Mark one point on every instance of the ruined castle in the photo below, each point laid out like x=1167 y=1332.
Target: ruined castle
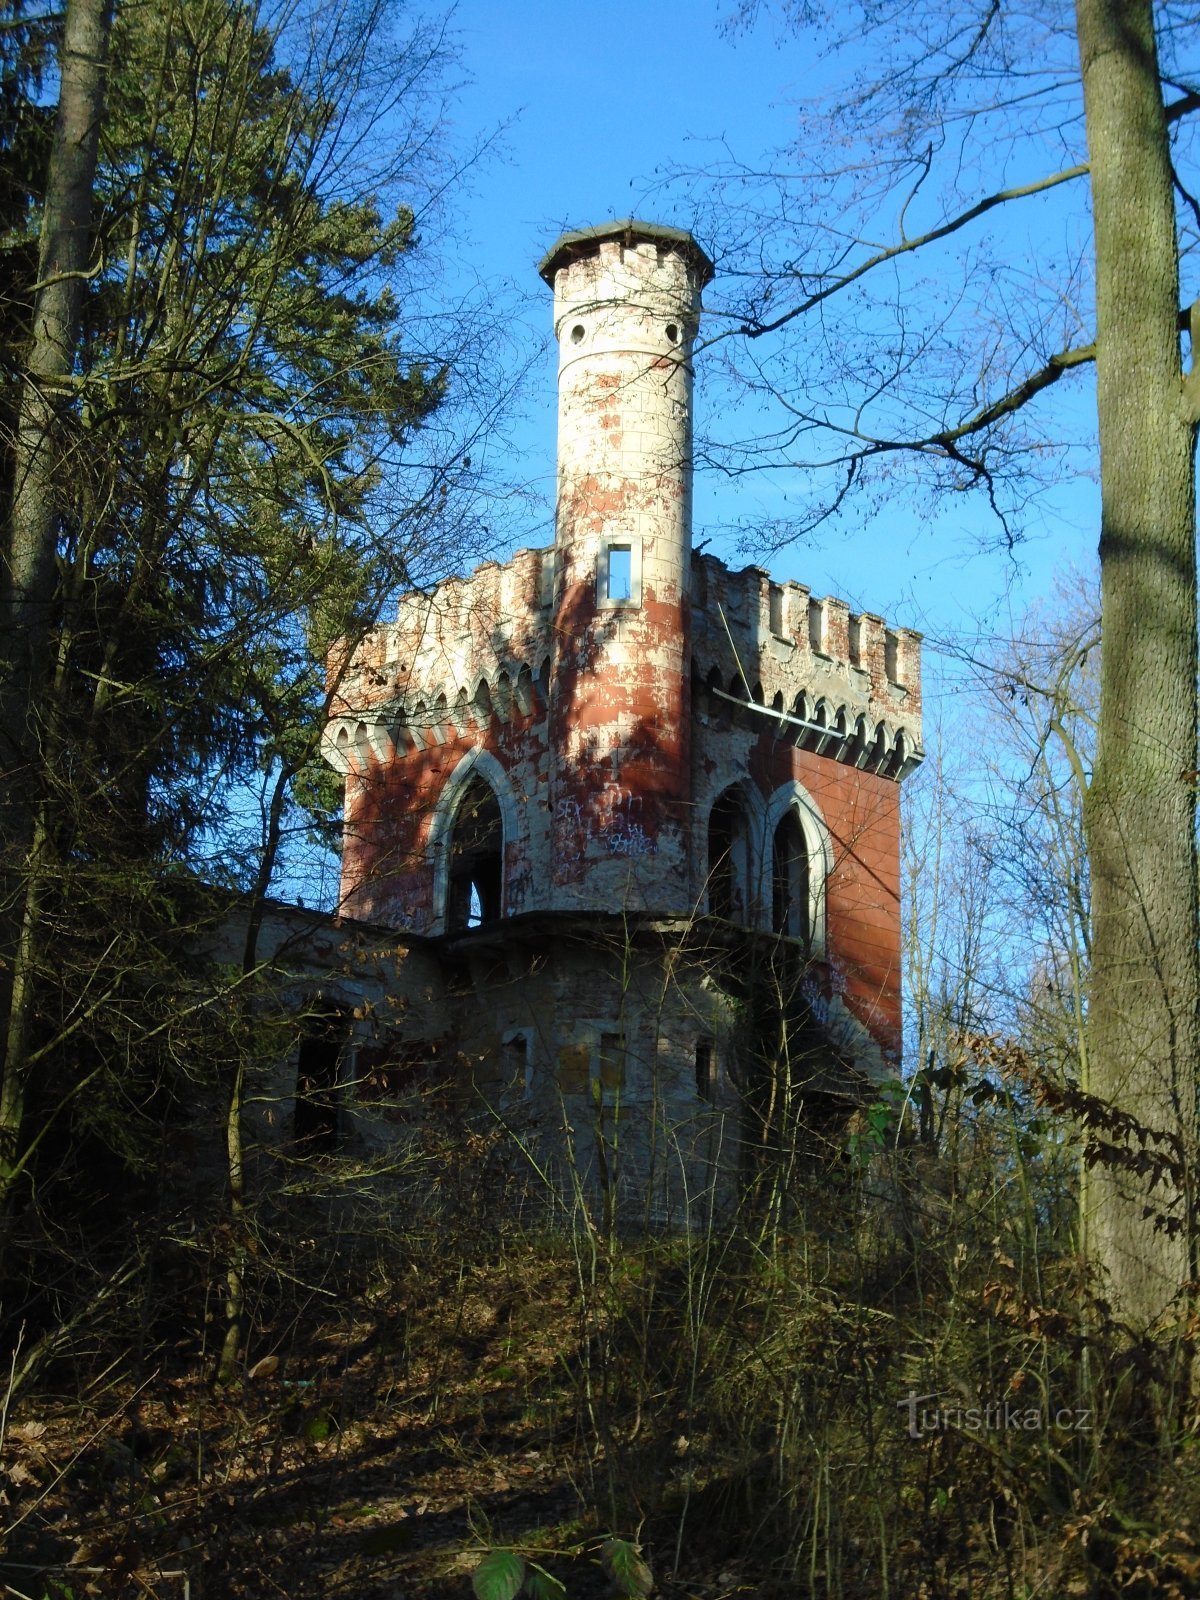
x=633 y=816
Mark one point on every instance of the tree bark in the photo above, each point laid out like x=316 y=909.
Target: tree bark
x=28 y=596
x=62 y=266
x=1140 y=818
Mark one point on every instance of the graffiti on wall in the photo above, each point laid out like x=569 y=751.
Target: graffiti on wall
x=620 y=826
x=613 y=823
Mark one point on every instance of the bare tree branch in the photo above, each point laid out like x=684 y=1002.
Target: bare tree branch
x=756 y=329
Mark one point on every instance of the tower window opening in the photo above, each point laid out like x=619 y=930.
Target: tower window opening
x=620 y=572
x=577 y=333
x=673 y=332
x=791 y=879
x=706 y=1070
x=476 y=875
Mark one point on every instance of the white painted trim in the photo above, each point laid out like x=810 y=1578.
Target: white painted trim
x=476 y=763
x=347 y=742
x=634 y=545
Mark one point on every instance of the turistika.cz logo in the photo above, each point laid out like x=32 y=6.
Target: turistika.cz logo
x=941 y=1412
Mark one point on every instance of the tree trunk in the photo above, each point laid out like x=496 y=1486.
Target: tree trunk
x=228 y=1364
x=1140 y=811
x=30 y=549
x=62 y=264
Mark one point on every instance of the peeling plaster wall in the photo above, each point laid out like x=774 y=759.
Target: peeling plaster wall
x=382 y=984
x=778 y=645
x=609 y=723
x=596 y=841
x=856 y=684
x=624 y=317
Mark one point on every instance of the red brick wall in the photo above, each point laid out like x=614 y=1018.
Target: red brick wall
x=862 y=897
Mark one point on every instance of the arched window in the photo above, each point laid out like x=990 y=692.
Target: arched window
x=728 y=857
x=791 y=879
x=795 y=874
x=476 y=859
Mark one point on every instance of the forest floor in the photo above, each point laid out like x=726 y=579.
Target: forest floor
x=379 y=1455
x=735 y=1416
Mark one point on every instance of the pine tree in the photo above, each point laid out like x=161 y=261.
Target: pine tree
x=234 y=486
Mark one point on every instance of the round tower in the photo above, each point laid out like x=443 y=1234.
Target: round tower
x=626 y=309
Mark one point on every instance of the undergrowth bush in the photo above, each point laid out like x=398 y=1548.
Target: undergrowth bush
x=901 y=1383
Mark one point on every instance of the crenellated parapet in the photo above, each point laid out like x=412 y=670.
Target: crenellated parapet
x=472 y=649
x=842 y=684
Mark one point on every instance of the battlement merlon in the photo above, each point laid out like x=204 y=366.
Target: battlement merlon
x=813 y=659
x=464 y=642
x=611 y=239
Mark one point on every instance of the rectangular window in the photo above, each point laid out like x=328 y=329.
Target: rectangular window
x=404 y=1082
x=515 y=1064
x=612 y=1062
x=775 y=607
x=620 y=572
x=706 y=1070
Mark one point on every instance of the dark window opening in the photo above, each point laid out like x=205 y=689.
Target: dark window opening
x=515 y=1061
x=790 y=879
x=405 y=1082
x=706 y=1070
x=726 y=856
x=476 y=875
x=318 y=1065
x=612 y=1062
x=718 y=709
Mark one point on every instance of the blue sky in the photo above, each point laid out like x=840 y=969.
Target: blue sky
x=600 y=101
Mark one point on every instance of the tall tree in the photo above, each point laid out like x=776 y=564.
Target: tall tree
x=1140 y=822
x=38 y=461
x=263 y=441
x=46 y=390
x=875 y=365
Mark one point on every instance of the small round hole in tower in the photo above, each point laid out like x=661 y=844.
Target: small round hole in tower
x=577 y=333
x=673 y=332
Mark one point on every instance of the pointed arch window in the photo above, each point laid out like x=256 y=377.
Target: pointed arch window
x=791 y=879
x=728 y=857
x=475 y=884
